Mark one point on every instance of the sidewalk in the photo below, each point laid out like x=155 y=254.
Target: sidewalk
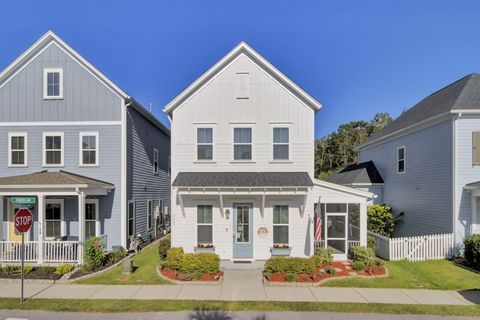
x=237 y=288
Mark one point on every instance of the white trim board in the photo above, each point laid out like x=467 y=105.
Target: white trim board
x=60 y=123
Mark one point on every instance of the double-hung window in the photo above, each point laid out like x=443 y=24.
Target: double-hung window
x=53 y=149
x=155 y=161
x=401 y=160
x=89 y=148
x=204 y=224
x=280 y=224
x=242 y=143
x=53 y=83
x=53 y=218
x=91 y=218
x=204 y=144
x=150 y=214
x=131 y=218
x=280 y=144
x=17 y=149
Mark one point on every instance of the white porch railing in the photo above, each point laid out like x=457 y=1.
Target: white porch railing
x=351 y=243
x=53 y=251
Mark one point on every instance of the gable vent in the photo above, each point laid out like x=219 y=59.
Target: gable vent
x=242 y=85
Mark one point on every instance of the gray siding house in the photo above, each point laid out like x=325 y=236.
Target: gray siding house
x=83 y=155
x=429 y=160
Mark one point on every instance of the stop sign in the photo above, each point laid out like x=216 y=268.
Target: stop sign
x=23 y=220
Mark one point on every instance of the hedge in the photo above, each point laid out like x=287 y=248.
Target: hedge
x=472 y=251
x=290 y=265
x=191 y=263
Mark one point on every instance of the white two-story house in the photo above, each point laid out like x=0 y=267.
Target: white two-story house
x=243 y=167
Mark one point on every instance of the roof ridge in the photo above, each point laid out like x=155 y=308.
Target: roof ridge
x=470 y=76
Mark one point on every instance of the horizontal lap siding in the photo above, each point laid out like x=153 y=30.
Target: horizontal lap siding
x=85 y=97
x=424 y=192
x=143 y=184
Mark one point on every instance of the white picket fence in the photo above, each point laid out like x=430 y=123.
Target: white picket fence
x=420 y=248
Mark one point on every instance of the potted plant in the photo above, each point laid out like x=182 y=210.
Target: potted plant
x=204 y=247
x=281 y=249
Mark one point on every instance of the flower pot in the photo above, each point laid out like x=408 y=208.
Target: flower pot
x=281 y=251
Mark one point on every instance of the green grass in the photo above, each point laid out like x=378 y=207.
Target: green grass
x=435 y=274
x=186 y=305
x=145 y=264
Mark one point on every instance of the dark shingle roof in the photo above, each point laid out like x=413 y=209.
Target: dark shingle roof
x=364 y=172
x=53 y=178
x=464 y=94
x=242 y=179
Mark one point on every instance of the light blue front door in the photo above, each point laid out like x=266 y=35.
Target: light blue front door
x=242 y=231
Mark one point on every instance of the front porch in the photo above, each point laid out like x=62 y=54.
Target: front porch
x=66 y=212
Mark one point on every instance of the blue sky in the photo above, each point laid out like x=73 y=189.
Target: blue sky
x=356 y=57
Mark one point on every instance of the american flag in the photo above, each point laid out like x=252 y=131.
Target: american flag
x=318 y=223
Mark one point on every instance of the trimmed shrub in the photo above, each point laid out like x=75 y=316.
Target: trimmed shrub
x=380 y=219
x=358 y=265
x=290 y=265
x=95 y=253
x=290 y=277
x=47 y=271
x=371 y=242
x=115 y=256
x=331 y=271
x=365 y=255
x=174 y=258
x=190 y=263
x=323 y=256
x=26 y=269
x=163 y=246
x=10 y=269
x=472 y=251
x=63 y=269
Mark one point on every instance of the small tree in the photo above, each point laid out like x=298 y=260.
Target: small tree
x=94 y=253
x=381 y=220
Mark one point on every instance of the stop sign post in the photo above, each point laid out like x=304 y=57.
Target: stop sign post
x=23 y=223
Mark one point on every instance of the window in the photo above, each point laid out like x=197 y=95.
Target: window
x=280 y=224
x=155 y=161
x=280 y=144
x=53 y=83
x=476 y=148
x=91 y=218
x=149 y=214
x=354 y=222
x=88 y=148
x=204 y=144
x=204 y=224
x=17 y=146
x=401 y=160
x=53 y=149
x=131 y=218
x=53 y=219
x=243 y=85
x=242 y=143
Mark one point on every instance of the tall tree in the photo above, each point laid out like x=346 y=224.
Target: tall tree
x=338 y=148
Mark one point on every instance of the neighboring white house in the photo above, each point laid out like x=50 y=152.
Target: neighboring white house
x=243 y=167
x=429 y=159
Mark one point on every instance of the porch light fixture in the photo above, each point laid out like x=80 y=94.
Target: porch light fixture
x=227 y=214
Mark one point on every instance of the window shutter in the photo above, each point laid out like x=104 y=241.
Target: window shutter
x=476 y=148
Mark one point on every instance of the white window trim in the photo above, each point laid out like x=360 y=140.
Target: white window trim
x=280 y=144
x=156 y=170
x=150 y=225
x=204 y=224
x=46 y=71
x=97 y=150
x=44 y=148
x=204 y=144
x=62 y=217
x=134 y=216
x=25 y=150
x=281 y=224
x=251 y=160
x=97 y=215
x=404 y=160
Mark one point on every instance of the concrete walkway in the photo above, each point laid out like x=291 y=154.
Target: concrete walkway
x=235 y=291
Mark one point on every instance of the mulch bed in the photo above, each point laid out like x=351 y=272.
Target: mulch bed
x=343 y=269
x=175 y=275
x=37 y=273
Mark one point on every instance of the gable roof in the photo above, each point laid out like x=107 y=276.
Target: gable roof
x=362 y=173
x=243 y=49
x=463 y=94
x=46 y=40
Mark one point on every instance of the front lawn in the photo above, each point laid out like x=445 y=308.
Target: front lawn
x=144 y=264
x=434 y=274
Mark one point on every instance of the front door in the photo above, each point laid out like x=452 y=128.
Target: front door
x=337 y=235
x=13 y=235
x=242 y=231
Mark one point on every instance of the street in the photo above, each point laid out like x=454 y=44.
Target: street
x=214 y=315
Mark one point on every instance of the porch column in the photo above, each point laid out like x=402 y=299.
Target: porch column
x=41 y=226
x=81 y=226
x=473 y=227
x=1 y=217
x=363 y=224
